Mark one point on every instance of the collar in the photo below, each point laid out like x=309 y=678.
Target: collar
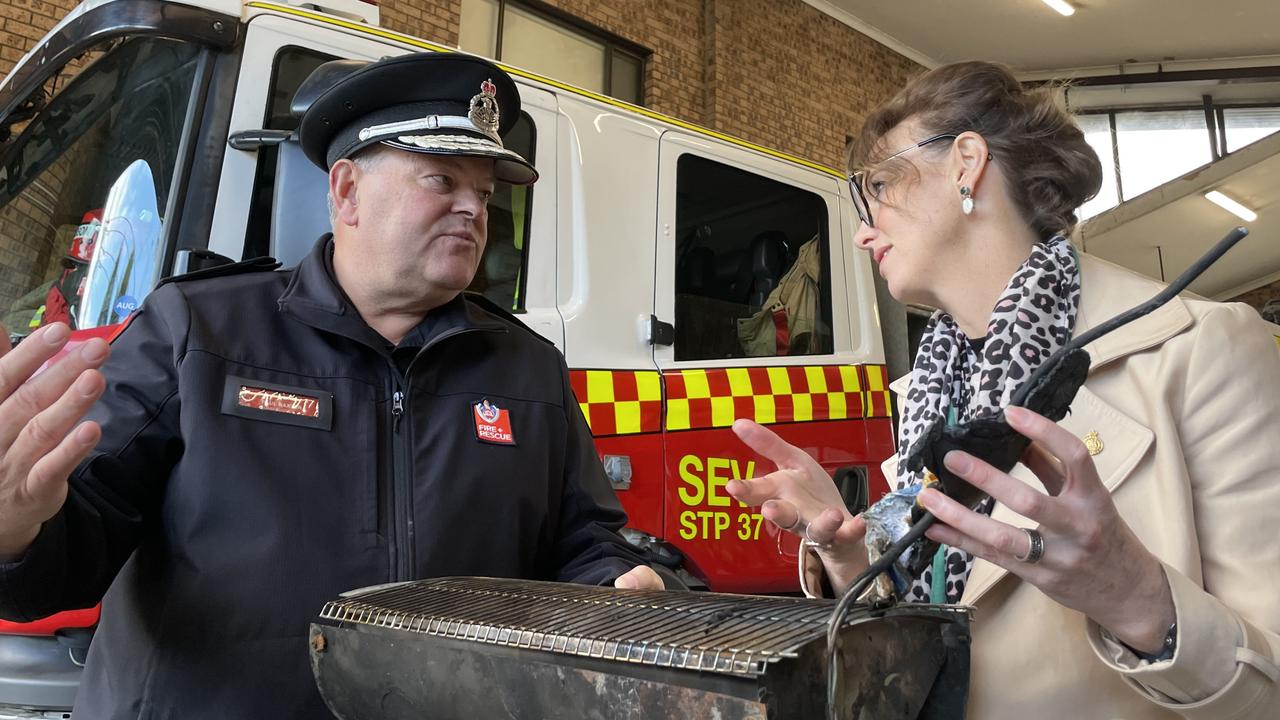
x=313 y=297
x=1106 y=290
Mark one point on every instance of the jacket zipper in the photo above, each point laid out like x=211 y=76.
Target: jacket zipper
x=402 y=534
x=401 y=540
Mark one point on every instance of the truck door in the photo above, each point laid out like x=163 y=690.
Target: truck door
x=289 y=49
x=100 y=147
x=752 y=274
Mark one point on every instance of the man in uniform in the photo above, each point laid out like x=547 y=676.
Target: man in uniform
x=266 y=440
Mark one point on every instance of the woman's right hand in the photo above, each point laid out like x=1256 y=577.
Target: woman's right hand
x=800 y=497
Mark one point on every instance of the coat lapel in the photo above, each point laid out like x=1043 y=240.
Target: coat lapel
x=1106 y=290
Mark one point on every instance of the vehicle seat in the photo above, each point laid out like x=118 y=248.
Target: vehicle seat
x=300 y=203
x=697 y=273
x=766 y=262
x=499 y=270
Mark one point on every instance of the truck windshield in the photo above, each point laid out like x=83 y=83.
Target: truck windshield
x=84 y=185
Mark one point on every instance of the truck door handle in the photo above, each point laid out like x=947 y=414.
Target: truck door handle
x=661 y=333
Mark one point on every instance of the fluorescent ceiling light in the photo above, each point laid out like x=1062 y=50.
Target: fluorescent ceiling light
x=1061 y=6
x=1231 y=206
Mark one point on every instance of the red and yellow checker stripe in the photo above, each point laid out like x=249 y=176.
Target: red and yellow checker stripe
x=625 y=402
x=879 y=397
x=714 y=397
x=619 y=402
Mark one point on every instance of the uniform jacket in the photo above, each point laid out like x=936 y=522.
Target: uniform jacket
x=263 y=450
x=1186 y=405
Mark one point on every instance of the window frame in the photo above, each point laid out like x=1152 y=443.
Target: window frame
x=174 y=202
x=827 y=233
x=612 y=43
x=1220 y=120
x=854 y=326
x=257 y=241
x=1215 y=129
x=519 y=301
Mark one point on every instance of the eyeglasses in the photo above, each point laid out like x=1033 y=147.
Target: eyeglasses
x=858 y=181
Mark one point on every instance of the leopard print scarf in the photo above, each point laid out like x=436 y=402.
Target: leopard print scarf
x=1033 y=318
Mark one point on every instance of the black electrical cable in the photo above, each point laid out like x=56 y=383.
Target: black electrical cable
x=1164 y=296
x=847 y=599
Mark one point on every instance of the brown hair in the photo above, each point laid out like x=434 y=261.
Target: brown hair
x=1050 y=169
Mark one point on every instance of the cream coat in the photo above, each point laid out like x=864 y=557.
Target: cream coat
x=1186 y=402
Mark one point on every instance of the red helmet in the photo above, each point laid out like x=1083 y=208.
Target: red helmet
x=86 y=238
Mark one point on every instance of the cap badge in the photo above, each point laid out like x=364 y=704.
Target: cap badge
x=484 y=109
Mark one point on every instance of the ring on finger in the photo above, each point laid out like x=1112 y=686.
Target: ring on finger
x=810 y=542
x=1035 y=547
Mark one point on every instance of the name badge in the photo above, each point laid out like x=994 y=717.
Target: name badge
x=493 y=424
x=272 y=402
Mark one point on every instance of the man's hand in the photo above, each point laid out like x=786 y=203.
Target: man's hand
x=640 y=577
x=40 y=442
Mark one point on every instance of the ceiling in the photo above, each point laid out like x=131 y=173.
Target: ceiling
x=1031 y=37
x=1174 y=224
x=1162 y=231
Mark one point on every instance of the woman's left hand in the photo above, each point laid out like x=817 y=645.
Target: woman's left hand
x=1092 y=562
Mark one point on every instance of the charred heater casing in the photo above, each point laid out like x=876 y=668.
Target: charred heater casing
x=469 y=648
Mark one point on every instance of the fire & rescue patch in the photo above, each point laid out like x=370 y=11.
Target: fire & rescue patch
x=493 y=424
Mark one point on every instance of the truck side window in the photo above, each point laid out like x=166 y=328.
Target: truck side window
x=501 y=274
x=292 y=66
x=752 y=265
x=84 y=185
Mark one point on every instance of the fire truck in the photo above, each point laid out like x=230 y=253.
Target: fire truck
x=689 y=278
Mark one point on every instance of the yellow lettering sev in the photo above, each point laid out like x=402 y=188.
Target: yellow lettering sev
x=702 y=491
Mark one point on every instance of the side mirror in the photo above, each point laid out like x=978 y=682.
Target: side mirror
x=126 y=262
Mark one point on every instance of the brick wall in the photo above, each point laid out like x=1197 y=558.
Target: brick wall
x=775 y=72
x=672 y=30
x=791 y=77
x=25 y=22
x=435 y=20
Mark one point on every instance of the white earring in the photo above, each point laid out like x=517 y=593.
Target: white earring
x=966 y=201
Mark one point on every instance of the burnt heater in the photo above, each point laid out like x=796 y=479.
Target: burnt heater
x=486 y=649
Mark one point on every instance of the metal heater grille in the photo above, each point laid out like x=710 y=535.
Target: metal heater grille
x=731 y=634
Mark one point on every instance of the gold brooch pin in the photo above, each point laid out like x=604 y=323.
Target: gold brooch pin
x=1093 y=442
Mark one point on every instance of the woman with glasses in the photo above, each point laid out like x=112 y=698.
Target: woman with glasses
x=1130 y=566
